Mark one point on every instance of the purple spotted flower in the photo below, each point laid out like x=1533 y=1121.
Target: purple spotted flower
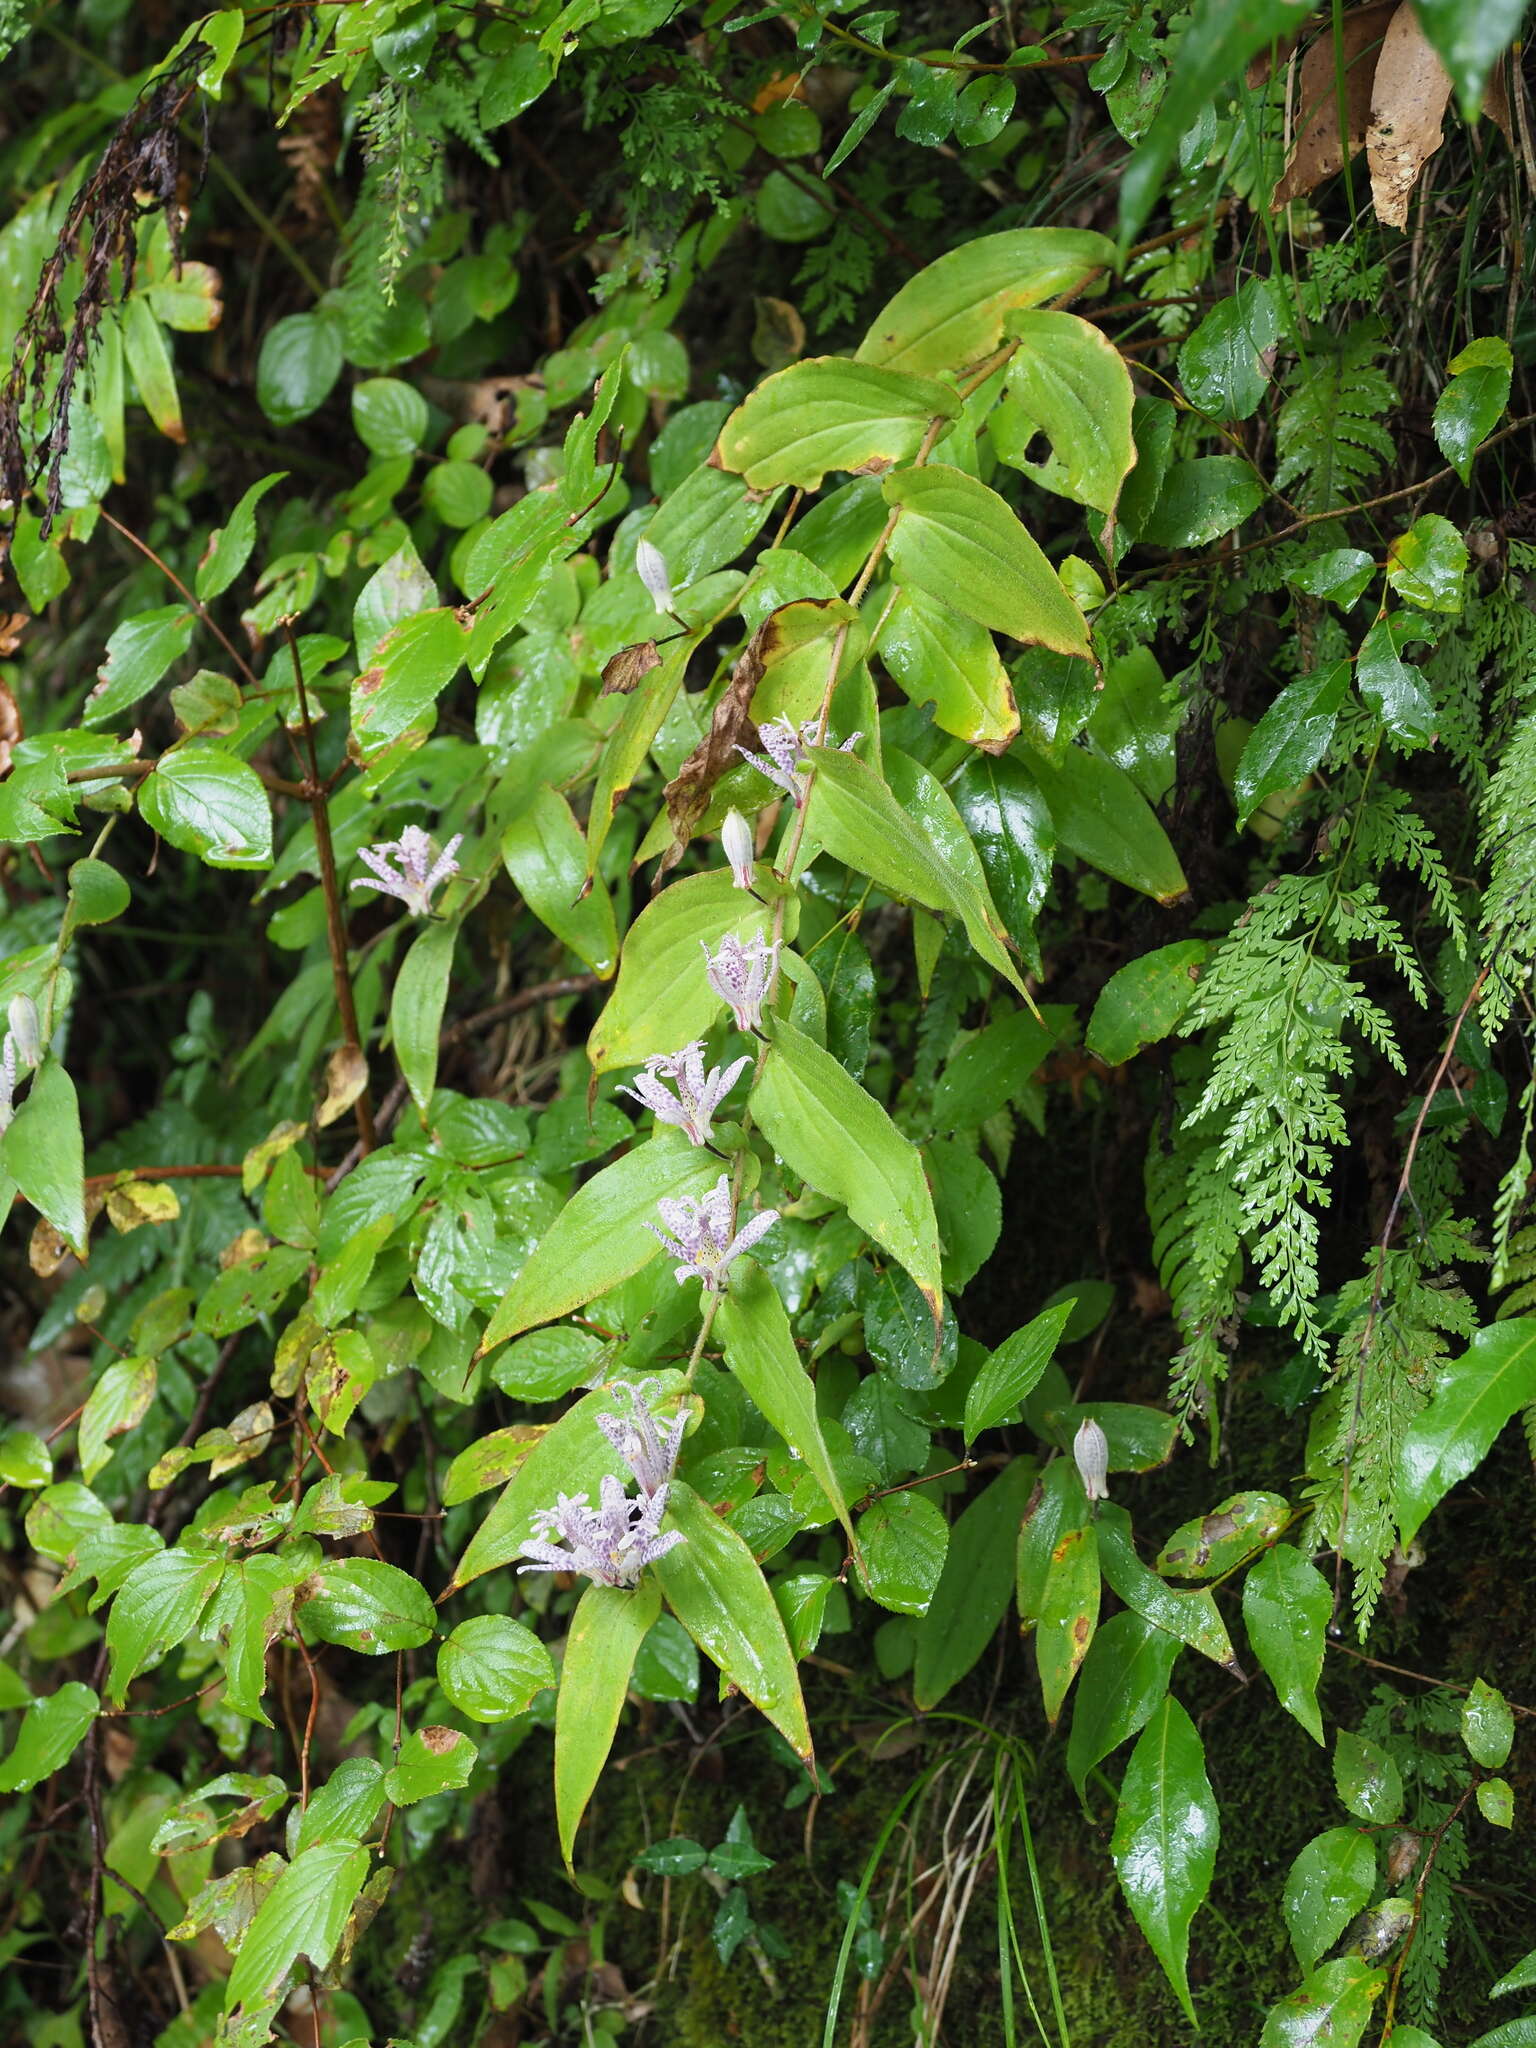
x=611 y=1543
x=741 y=975
x=649 y=1452
x=702 y=1236
x=699 y=1089
x=783 y=747
x=416 y=874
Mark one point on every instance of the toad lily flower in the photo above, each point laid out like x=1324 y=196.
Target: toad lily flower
x=416 y=875
x=611 y=1543
x=1090 y=1449
x=21 y=1052
x=702 y=1236
x=741 y=976
x=700 y=1090
x=781 y=762
x=649 y=1452
x=737 y=844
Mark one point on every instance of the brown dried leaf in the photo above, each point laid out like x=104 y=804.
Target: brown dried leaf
x=1317 y=153
x=46 y=1250
x=687 y=794
x=12 y=626
x=1408 y=102
x=622 y=671
x=10 y=728
x=778 y=334
x=346 y=1076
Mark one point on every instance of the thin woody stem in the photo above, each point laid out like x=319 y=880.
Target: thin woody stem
x=315 y=790
x=201 y=609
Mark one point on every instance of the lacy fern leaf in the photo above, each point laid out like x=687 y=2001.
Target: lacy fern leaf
x=1329 y=435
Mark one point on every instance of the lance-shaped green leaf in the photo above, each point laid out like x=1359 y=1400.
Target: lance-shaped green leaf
x=305 y=1913
x=1013 y=1371
x=760 y=1351
x=252 y=1606
x=1069 y=1613
x=138 y=654
x=627 y=745
x=1329 y=1882
x=940 y=656
x=837 y=1138
x=1069 y=382
x=716 y=1588
x=1287 y=1604
x=51 y=1729
x=989 y=1070
x=229 y=546
x=43 y=1153
x=1334 y=2005
x=853 y=814
x=1143 y=1002
x=828 y=413
x=972 y=1595
x=157 y=1607
x=661 y=999
x=600 y=1237
x=1192 y=1617
x=546 y=855
x=1211 y=1544
x=607 y=1629
x=572 y=1456
x=1164 y=1846
x=1468 y=409
x=952 y=313
x=1125 y=1674
x=1290 y=739
x=959 y=541
x=1474 y=1396
x=416 y=1007
x=1102 y=817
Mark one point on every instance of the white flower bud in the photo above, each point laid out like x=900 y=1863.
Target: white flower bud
x=22 y=1017
x=736 y=838
x=1090 y=1447
x=651 y=568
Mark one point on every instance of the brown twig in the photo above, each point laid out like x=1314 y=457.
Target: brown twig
x=201 y=609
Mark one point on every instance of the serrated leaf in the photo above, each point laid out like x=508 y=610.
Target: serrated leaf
x=139 y=652
x=1287 y=1605
x=1166 y=1830
x=305 y=1913
x=431 y=1761
x=491 y=1667
x=367 y=1605
x=205 y=801
x=51 y=1730
x=905 y=1540
x=119 y=1399
x=229 y=546
x=1367 y=1779
x=1333 y=2005
x=1469 y=407
x=1487 y=1726
x=43 y=1153
x=1328 y=1884
x=157 y=1607
x=1124 y=1676
x=1290 y=739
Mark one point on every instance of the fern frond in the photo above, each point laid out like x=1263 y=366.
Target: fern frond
x=1282 y=1009
x=1329 y=436
x=1197 y=1247
x=1508 y=844
x=1398 y=1320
